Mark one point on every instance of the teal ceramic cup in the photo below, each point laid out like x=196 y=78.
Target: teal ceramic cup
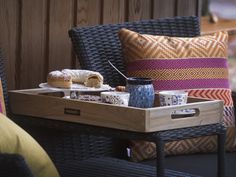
x=141 y=92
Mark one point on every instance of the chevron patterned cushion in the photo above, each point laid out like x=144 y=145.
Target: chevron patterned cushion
x=197 y=64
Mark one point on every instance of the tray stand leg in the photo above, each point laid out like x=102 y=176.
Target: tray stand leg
x=160 y=153
x=221 y=154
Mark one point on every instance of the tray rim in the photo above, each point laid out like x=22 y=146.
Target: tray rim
x=144 y=116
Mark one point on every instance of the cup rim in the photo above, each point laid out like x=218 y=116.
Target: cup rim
x=173 y=92
x=139 y=80
x=115 y=93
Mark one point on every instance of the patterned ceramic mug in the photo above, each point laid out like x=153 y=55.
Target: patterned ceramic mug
x=141 y=92
x=173 y=97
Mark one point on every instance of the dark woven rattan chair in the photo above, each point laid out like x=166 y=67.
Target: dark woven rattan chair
x=11 y=165
x=94 y=45
x=62 y=144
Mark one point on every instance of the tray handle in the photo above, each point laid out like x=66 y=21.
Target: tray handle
x=184 y=113
x=72 y=111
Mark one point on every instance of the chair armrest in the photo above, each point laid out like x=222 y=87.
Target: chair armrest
x=14 y=165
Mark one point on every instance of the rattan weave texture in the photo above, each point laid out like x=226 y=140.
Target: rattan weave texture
x=109 y=167
x=3 y=78
x=13 y=165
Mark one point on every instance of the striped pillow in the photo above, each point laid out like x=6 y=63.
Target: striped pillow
x=197 y=64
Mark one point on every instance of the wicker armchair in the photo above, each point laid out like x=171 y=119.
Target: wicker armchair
x=11 y=165
x=95 y=45
x=63 y=145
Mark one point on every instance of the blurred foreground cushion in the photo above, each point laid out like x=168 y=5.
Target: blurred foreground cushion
x=14 y=140
x=198 y=65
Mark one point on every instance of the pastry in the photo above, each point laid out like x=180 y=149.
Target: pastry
x=59 y=79
x=86 y=77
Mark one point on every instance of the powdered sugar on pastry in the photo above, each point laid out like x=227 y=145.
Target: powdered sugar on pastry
x=86 y=77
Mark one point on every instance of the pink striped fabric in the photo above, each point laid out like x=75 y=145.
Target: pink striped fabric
x=193 y=65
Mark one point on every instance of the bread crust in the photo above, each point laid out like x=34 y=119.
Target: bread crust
x=59 y=79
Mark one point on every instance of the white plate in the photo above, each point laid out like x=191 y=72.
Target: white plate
x=78 y=87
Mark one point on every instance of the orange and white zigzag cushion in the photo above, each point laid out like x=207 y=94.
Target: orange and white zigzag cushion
x=197 y=64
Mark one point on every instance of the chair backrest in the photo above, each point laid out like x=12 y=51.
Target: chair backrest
x=3 y=79
x=97 y=44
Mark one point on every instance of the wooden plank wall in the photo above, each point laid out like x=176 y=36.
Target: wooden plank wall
x=34 y=35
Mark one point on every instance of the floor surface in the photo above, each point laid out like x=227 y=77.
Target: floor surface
x=204 y=165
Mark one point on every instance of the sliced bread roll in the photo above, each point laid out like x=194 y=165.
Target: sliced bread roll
x=59 y=79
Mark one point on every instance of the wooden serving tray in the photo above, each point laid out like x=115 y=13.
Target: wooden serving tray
x=50 y=104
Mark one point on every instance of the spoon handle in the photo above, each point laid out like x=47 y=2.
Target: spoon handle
x=117 y=70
